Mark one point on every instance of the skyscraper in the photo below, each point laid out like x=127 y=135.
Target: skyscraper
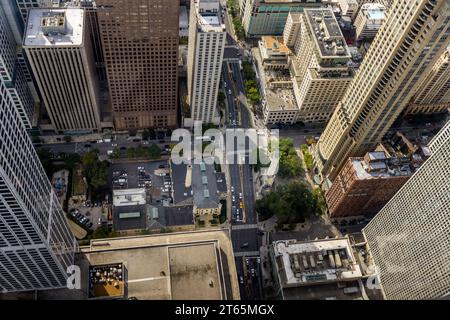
x=433 y=95
x=36 y=245
x=409 y=238
x=205 y=56
x=60 y=53
x=322 y=74
x=11 y=74
x=140 y=46
x=413 y=37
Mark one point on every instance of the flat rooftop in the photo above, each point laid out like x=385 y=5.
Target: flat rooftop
x=314 y=262
x=281 y=100
x=275 y=44
x=326 y=33
x=127 y=197
x=377 y=165
x=54 y=27
x=185 y=265
x=208 y=16
x=374 y=11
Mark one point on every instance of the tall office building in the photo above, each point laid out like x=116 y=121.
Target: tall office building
x=140 y=46
x=322 y=73
x=413 y=37
x=11 y=74
x=57 y=45
x=268 y=17
x=409 y=238
x=205 y=55
x=36 y=245
x=433 y=95
x=370 y=18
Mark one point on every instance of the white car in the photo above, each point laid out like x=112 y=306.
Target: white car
x=225 y=84
x=229 y=91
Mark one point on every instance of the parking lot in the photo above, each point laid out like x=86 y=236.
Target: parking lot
x=154 y=176
x=88 y=214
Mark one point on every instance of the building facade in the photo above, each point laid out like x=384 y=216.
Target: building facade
x=366 y=184
x=36 y=245
x=411 y=40
x=322 y=75
x=409 y=238
x=205 y=56
x=433 y=95
x=268 y=17
x=140 y=47
x=60 y=53
x=11 y=73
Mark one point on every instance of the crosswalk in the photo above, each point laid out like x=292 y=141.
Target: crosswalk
x=244 y=226
x=246 y=254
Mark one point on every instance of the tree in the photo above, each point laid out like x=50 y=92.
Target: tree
x=154 y=151
x=71 y=160
x=95 y=171
x=152 y=134
x=221 y=97
x=290 y=164
x=145 y=135
x=291 y=203
x=67 y=139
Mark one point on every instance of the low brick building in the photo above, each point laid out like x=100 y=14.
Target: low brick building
x=365 y=185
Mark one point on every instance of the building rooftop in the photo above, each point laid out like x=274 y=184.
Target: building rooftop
x=54 y=27
x=187 y=265
x=208 y=16
x=373 y=11
x=327 y=35
x=280 y=99
x=275 y=45
x=183 y=17
x=378 y=165
x=315 y=262
x=129 y=217
x=126 y=197
x=204 y=186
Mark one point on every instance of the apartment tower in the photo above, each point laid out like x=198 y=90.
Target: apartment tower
x=411 y=40
x=205 y=55
x=409 y=238
x=433 y=95
x=140 y=47
x=322 y=74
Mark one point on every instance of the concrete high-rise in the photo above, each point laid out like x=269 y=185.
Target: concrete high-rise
x=433 y=95
x=322 y=73
x=11 y=74
x=205 y=55
x=369 y=20
x=140 y=47
x=57 y=45
x=36 y=245
x=411 y=40
x=409 y=238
